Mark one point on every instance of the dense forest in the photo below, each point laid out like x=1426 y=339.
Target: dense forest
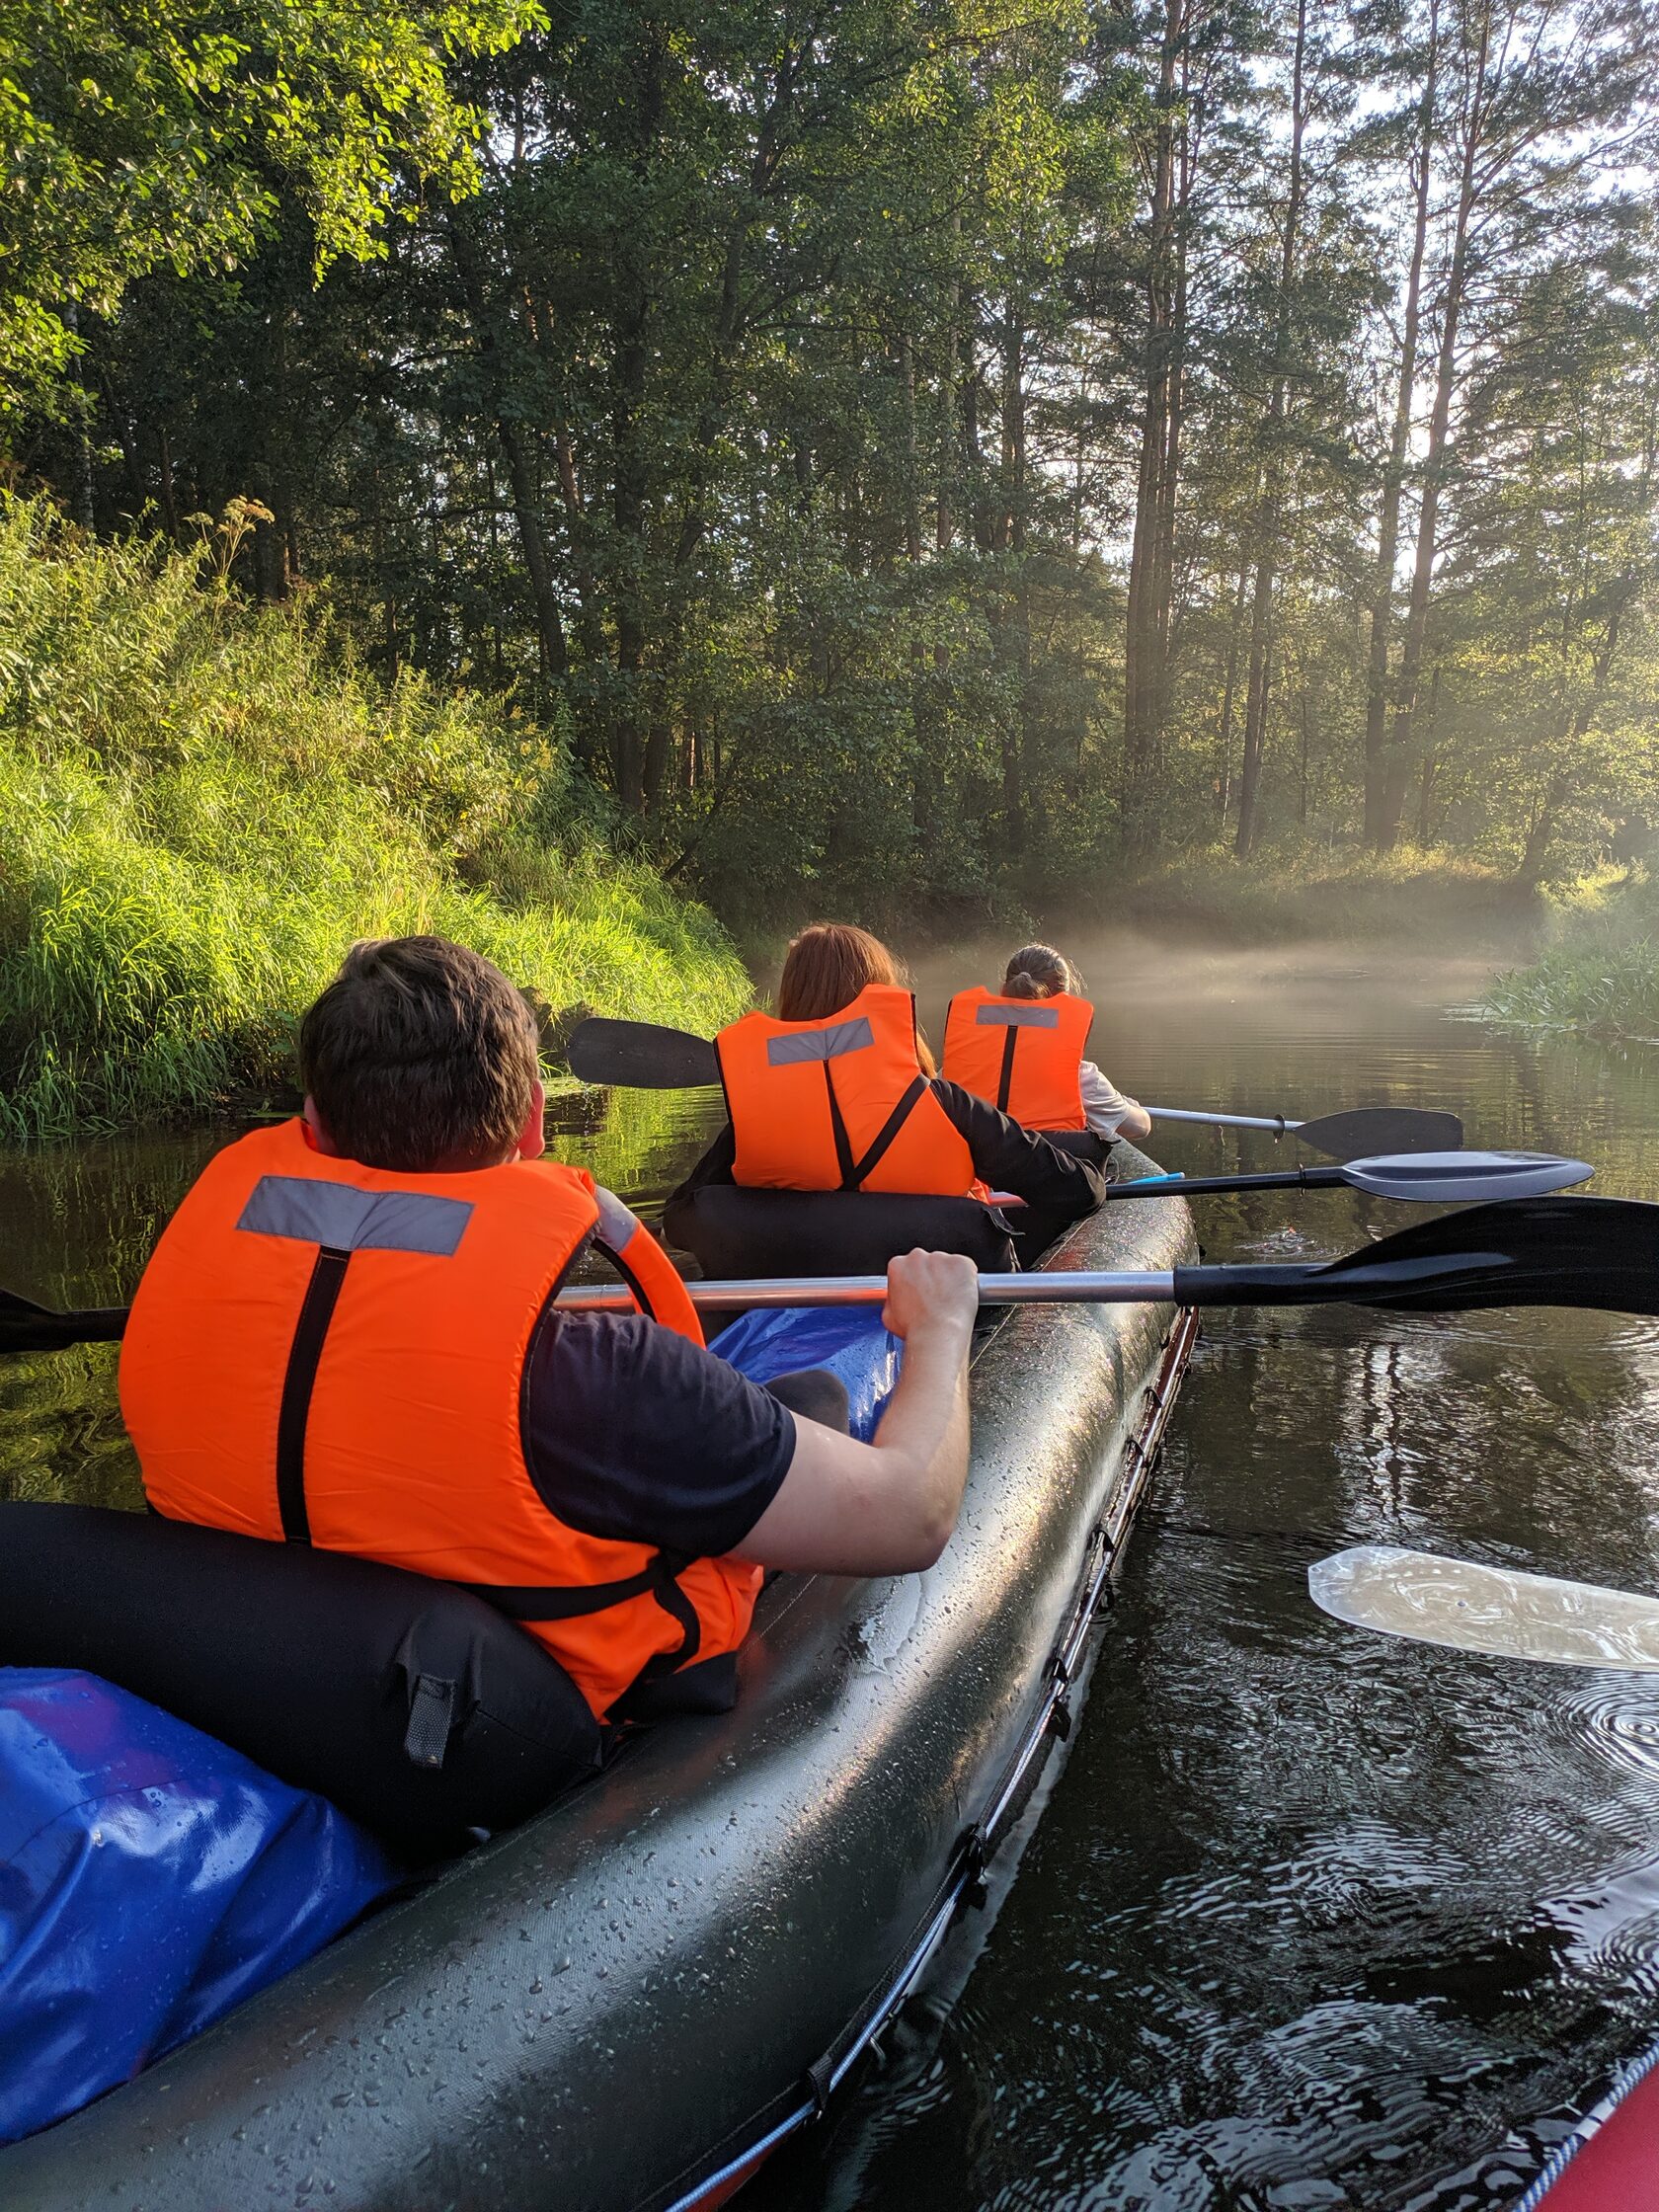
x=904 y=454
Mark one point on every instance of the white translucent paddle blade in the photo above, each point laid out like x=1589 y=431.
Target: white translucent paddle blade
x=1448 y=1177
x=1496 y=1609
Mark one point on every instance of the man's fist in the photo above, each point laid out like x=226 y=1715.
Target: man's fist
x=931 y=1290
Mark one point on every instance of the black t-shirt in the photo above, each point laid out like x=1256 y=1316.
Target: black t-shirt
x=630 y=1432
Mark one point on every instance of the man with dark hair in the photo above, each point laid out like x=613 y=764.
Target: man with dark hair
x=376 y=1362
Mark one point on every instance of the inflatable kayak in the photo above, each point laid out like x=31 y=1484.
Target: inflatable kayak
x=1609 y=2163
x=626 y=2001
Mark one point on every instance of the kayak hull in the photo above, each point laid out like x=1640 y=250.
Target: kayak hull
x=623 y=2002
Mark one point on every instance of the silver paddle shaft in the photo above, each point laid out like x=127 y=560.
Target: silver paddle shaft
x=1274 y=1122
x=1128 y=1286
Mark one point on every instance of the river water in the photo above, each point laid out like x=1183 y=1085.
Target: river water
x=1313 y=1917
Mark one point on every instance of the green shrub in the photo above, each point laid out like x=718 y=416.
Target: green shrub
x=1600 y=971
x=202 y=804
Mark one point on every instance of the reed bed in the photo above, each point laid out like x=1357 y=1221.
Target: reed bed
x=1598 y=974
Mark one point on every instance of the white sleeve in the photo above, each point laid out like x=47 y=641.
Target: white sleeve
x=1103 y=1103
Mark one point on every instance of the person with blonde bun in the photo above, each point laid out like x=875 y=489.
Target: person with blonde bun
x=1024 y=1048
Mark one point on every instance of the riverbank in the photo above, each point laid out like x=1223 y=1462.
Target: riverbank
x=1598 y=974
x=203 y=802
x=1428 y=898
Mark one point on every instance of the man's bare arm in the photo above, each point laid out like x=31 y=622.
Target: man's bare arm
x=887 y=1507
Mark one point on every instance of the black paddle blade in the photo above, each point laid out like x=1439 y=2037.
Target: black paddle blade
x=642 y=1054
x=26 y=1327
x=1529 y=1251
x=1364 y=1131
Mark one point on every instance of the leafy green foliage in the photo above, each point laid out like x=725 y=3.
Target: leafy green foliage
x=893 y=456
x=150 y=135
x=201 y=807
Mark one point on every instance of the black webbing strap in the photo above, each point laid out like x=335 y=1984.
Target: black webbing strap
x=322 y=1295
x=432 y=1716
x=563 y=1601
x=853 y=1173
x=664 y=1570
x=1005 y=1080
x=838 y=1129
x=657 y=1578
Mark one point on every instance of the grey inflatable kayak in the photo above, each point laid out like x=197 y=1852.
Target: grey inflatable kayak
x=627 y=2002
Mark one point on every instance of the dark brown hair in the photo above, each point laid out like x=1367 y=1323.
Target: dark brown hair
x=1038 y=971
x=825 y=968
x=420 y=1055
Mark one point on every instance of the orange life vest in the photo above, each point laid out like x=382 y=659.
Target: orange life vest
x=1022 y=1053
x=333 y=1354
x=840 y=1104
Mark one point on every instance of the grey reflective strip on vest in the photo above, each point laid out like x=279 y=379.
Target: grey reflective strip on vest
x=617 y=1223
x=1018 y=1017
x=349 y=1221
x=840 y=1038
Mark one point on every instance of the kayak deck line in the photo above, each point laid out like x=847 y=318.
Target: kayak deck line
x=630 y=1998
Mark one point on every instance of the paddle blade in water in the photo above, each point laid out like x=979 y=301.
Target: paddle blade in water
x=1364 y=1132
x=27 y=1328
x=1496 y=1609
x=1450 y=1178
x=641 y=1055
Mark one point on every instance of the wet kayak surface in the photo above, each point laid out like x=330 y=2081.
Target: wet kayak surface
x=1315 y=1917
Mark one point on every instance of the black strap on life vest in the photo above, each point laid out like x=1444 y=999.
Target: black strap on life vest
x=853 y=1171
x=659 y=1578
x=322 y=1295
x=1005 y=1078
x=838 y=1130
x=410 y=1222
x=894 y=1122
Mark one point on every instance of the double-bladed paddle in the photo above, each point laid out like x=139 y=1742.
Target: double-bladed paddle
x=1425 y=1178
x=1531 y=1251
x=645 y=1056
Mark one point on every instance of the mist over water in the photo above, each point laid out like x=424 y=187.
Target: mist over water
x=1313 y=1919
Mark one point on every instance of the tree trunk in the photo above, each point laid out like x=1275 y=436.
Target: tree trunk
x=1387 y=533
x=1146 y=614
x=944 y=513
x=523 y=471
x=1229 y=697
x=1399 y=764
x=1019 y=768
x=1271 y=511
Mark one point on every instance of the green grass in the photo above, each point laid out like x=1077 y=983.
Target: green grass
x=203 y=804
x=1600 y=973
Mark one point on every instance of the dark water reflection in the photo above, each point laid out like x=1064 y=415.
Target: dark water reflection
x=1313 y=1919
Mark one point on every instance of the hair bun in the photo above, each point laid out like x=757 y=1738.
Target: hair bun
x=1038 y=972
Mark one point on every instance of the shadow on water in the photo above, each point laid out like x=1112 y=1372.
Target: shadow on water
x=1313 y=1919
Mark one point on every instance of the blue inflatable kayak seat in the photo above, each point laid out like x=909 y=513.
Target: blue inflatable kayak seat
x=150 y=1878
x=849 y=1341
